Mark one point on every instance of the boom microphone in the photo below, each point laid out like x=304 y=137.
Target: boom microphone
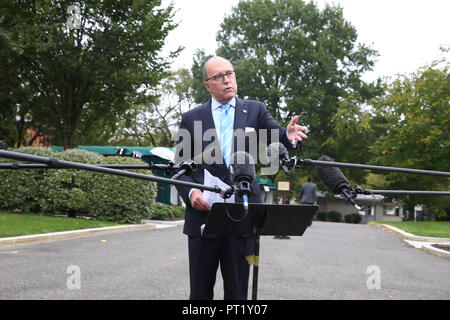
x=335 y=181
x=278 y=152
x=243 y=174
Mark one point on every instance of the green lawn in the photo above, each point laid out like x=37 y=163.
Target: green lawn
x=15 y=224
x=439 y=229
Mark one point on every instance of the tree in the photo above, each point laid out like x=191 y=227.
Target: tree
x=17 y=98
x=354 y=130
x=418 y=131
x=84 y=63
x=298 y=60
x=200 y=94
x=154 y=124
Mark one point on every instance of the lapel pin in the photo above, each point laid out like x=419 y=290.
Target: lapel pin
x=244 y=111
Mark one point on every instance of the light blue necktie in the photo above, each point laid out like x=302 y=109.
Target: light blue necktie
x=226 y=129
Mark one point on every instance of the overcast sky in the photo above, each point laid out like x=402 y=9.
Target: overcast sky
x=406 y=33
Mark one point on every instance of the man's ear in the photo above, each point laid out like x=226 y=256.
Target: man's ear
x=206 y=85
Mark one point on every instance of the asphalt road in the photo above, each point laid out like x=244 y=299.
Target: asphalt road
x=331 y=261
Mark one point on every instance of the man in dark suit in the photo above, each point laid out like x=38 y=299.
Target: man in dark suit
x=204 y=135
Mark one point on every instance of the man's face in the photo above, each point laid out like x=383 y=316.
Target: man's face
x=223 y=90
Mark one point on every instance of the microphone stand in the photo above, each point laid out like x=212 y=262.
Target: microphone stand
x=48 y=162
x=169 y=169
x=296 y=163
x=351 y=194
x=113 y=166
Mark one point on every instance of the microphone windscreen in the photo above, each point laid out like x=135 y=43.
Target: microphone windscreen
x=331 y=177
x=276 y=151
x=242 y=166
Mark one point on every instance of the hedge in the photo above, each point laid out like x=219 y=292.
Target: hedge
x=336 y=216
x=77 y=192
x=353 y=218
x=322 y=216
x=166 y=212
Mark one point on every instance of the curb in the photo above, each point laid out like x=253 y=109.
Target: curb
x=428 y=247
x=64 y=235
x=423 y=243
x=165 y=222
x=412 y=237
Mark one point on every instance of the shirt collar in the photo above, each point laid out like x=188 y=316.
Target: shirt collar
x=215 y=105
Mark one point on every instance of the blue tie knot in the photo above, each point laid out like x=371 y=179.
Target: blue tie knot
x=225 y=107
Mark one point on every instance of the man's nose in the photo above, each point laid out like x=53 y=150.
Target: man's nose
x=226 y=79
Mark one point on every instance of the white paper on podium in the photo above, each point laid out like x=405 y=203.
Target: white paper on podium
x=212 y=197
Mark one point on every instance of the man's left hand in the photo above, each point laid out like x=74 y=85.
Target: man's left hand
x=295 y=132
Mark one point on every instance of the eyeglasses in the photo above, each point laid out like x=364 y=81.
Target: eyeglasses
x=220 y=77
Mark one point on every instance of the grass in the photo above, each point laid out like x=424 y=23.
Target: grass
x=439 y=229
x=15 y=224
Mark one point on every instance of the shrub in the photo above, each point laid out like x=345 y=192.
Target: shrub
x=166 y=212
x=334 y=216
x=356 y=218
x=348 y=218
x=353 y=218
x=20 y=189
x=77 y=192
x=322 y=216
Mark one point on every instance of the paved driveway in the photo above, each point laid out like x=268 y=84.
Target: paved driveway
x=331 y=261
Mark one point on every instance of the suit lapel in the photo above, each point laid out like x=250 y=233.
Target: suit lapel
x=208 y=124
x=240 y=115
x=240 y=119
x=208 y=121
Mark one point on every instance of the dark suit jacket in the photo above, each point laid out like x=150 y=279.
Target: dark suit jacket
x=248 y=113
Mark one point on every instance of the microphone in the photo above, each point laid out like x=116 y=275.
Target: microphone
x=278 y=152
x=242 y=168
x=187 y=168
x=121 y=152
x=136 y=154
x=335 y=181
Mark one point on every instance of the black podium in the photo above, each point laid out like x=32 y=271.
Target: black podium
x=261 y=219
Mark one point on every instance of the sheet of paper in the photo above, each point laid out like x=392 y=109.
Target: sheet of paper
x=212 y=197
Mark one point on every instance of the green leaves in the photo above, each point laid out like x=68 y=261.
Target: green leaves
x=418 y=131
x=352 y=134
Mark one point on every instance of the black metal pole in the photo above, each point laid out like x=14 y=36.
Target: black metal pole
x=89 y=167
x=411 y=192
x=298 y=162
x=45 y=166
x=255 y=268
x=294 y=161
x=257 y=230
